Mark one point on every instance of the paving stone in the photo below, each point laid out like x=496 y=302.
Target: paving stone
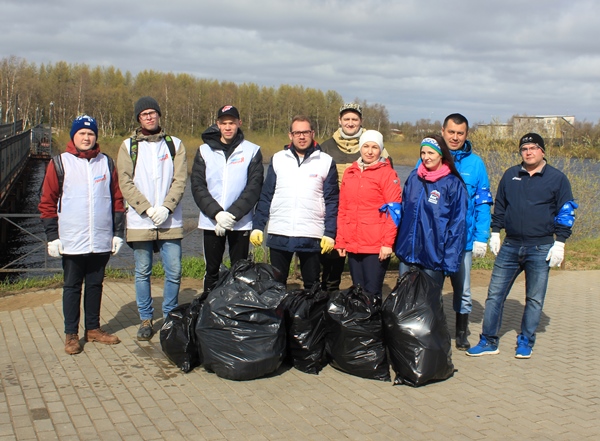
x=130 y=391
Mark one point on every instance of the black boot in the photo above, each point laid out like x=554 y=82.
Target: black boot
x=462 y=331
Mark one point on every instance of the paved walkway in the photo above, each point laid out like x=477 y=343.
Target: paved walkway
x=130 y=391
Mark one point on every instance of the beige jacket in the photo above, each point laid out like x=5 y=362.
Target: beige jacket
x=142 y=196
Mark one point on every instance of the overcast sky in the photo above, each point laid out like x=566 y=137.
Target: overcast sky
x=420 y=59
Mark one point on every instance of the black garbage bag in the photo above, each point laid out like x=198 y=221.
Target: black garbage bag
x=354 y=341
x=416 y=332
x=259 y=276
x=178 y=337
x=305 y=325
x=241 y=332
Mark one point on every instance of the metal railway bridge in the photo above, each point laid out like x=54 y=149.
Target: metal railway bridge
x=17 y=148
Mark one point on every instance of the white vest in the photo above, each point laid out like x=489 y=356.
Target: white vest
x=298 y=206
x=226 y=179
x=85 y=221
x=153 y=177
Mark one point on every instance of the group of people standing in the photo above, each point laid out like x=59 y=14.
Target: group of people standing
x=325 y=203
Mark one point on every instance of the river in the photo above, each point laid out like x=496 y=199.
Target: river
x=20 y=243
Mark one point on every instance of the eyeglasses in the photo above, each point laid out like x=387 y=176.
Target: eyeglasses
x=303 y=133
x=148 y=115
x=529 y=149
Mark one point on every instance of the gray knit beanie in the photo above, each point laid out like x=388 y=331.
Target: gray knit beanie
x=144 y=103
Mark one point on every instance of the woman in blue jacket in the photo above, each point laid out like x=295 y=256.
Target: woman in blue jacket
x=432 y=232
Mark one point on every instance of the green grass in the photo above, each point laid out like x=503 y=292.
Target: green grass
x=31 y=283
x=580 y=255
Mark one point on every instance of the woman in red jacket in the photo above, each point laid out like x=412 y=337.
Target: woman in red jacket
x=370 y=195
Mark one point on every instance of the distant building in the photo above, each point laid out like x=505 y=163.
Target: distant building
x=497 y=131
x=553 y=128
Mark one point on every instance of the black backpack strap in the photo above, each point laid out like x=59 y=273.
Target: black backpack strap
x=133 y=153
x=171 y=146
x=133 y=150
x=111 y=165
x=60 y=175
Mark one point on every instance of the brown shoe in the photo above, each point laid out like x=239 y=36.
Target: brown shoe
x=101 y=336
x=72 y=345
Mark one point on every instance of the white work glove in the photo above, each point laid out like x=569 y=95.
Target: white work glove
x=225 y=219
x=150 y=212
x=327 y=244
x=479 y=249
x=117 y=243
x=495 y=243
x=160 y=215
x=55 y=248
x=256 y=238
x=556 y=254
x=219 y=230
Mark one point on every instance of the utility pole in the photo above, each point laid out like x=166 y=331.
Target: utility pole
x=51 y=108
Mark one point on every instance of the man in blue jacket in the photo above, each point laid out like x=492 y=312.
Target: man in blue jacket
x=535 y=206
x=474 y=174
x=300 y=200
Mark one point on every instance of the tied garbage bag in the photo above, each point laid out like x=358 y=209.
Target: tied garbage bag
x=305 y=326
x=259 y=276
x=416 y=333
x=178 y=337
x=354 y=342
x=240 y=331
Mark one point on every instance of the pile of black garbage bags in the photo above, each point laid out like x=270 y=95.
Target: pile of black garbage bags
x=248 y=326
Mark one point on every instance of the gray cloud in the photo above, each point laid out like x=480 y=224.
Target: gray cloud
x=421 y=59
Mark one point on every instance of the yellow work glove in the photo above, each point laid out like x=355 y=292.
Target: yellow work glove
x=327 y=244
x=256 y=238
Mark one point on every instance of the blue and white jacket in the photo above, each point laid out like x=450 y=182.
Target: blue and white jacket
x=474 y=174
x=226 y=177
x=299 y=199
x=432 y=231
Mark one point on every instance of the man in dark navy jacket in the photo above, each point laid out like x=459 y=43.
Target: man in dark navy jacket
x=299 y=199
x=534 y=204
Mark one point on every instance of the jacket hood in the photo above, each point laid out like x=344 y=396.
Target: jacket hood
x=212 y=137
x=139 y=136
x=87 y=154
x=309 y=151
x=347 y=145
x=465 y=151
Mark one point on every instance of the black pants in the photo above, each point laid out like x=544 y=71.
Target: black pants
x=214 y=248
x=368 y=272
x=333 y=267
x=310 y=267
x=76 y=270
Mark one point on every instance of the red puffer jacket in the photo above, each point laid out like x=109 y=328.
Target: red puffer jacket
x=361 y=227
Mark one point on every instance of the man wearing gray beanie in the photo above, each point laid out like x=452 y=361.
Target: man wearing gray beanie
x=153 y=189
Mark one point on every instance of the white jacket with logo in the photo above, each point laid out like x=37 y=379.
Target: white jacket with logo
x=227 y=179
x=85 y=220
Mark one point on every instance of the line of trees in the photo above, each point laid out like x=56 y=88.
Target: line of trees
x=62 y=91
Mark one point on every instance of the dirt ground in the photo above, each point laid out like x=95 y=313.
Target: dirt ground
x=28 y=298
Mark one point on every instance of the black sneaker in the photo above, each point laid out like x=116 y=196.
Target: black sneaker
x=145 y=332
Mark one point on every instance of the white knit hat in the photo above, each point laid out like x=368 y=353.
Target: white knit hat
x=371 y=136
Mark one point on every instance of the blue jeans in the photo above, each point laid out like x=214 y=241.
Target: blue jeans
x=461 y=285
x=511 y=261
x=170 y=253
